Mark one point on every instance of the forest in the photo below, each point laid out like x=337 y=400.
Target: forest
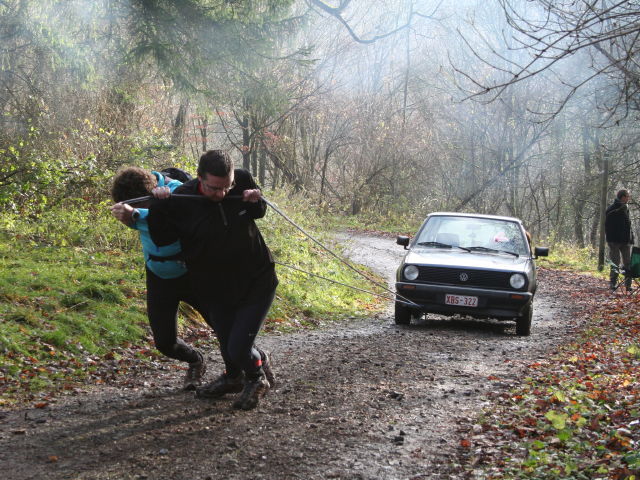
x=358 y=118
x=388 y=108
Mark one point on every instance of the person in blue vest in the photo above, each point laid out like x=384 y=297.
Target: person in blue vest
x=167 y=277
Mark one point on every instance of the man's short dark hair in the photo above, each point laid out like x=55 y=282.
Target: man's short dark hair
x=215 y=162
x=623 y=192
x=132 y=182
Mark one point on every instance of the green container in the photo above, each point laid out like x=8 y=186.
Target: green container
x=634 y=265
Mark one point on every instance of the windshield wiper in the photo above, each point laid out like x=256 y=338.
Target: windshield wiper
x=491 y=250
x=434 y=244
x=441 y=245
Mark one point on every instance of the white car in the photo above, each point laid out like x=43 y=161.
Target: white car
x=476 y=265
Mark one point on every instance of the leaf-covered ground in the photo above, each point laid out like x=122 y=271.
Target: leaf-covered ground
x=576 y=414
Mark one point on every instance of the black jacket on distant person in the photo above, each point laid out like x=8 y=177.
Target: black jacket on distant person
x=225 y=253
x=617 y=224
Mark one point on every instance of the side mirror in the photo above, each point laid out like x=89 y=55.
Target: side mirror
x=402 y=240
x=541 y=252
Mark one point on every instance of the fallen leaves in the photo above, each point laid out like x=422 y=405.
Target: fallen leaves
x=576 y=415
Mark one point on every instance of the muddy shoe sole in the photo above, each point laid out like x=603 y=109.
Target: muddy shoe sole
x=266 y=367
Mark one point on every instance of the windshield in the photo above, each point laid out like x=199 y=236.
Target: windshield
x=479 y=234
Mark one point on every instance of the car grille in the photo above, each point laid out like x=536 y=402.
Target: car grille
x=475 y=278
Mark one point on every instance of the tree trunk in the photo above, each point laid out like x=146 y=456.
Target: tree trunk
x=254 y=160
x=246 y=139
x=262 y=167
x=203 y=133
x=178 y=127
x=604 y=187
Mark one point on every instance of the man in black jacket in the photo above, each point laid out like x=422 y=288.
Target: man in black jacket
x=619 y=236
x=231 y=268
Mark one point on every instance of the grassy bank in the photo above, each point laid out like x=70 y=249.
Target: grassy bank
x=72 y=294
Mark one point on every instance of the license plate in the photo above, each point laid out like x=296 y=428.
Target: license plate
x=461 y=300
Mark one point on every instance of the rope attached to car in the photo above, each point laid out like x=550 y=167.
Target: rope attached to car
x=359 y=272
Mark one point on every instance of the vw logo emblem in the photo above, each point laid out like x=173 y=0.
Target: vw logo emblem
x=464 y=277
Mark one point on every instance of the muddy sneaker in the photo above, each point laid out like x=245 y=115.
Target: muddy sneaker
x=253 y=390
x=266 y=367
x=196 y=370
x=220 y=386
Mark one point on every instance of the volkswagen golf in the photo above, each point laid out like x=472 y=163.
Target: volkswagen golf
x=467 y=264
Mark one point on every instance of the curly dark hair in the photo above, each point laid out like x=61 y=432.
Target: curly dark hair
x=132 y=182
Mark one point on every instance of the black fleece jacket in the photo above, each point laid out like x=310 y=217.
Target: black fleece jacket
x=225 y=253
x=617 y=224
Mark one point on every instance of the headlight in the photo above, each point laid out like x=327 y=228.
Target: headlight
x=517 y=280
x=411 y=272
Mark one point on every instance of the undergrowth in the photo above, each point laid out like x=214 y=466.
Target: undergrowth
x=565 y=256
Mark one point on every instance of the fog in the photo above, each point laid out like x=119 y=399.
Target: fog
x=379 y=107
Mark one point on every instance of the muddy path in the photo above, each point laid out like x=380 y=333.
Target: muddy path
x=360 y=400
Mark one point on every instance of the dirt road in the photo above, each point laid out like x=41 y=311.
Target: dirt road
x=360 y=400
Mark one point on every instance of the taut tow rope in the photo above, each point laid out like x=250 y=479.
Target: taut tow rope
x=317 y=242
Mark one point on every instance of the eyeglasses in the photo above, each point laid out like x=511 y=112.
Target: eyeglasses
x=212 y=188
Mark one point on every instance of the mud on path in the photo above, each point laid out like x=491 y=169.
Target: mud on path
x=360 y=400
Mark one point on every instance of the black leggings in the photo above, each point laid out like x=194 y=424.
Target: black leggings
x=163 y=298
x=236 y=328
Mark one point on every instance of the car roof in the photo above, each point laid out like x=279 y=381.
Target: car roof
x=474 y=215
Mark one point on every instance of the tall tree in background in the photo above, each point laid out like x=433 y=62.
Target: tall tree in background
x=86 y=73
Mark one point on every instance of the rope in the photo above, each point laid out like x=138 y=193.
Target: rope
x=179 y=195
x=386 y=297
x=406 y=301
x=333 y=281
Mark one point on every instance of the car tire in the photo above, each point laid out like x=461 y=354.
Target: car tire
x=523 y=323
x=402 y=314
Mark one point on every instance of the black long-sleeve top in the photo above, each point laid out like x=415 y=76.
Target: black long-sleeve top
x=617 y=224
x=225 y=253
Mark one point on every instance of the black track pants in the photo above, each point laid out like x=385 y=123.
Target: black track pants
x=163 y=298
x=236 y=328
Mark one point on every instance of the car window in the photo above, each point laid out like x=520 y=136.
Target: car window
x=488 y=233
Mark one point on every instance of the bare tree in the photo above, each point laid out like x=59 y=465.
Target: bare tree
x=340 y=9
x=545 y=34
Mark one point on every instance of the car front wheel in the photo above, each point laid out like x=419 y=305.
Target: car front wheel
x=523 y=323
x=402 y=314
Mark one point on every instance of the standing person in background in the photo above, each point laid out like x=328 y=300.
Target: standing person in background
x=231 y=267
x=619 y=236
x=166 y=274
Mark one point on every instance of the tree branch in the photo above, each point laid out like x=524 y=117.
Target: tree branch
x=336 y=12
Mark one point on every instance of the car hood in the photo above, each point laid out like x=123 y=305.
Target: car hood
x=462 y=259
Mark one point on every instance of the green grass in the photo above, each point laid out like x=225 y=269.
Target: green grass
x=57 y=303
x=564 y=256
x=72 y=287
